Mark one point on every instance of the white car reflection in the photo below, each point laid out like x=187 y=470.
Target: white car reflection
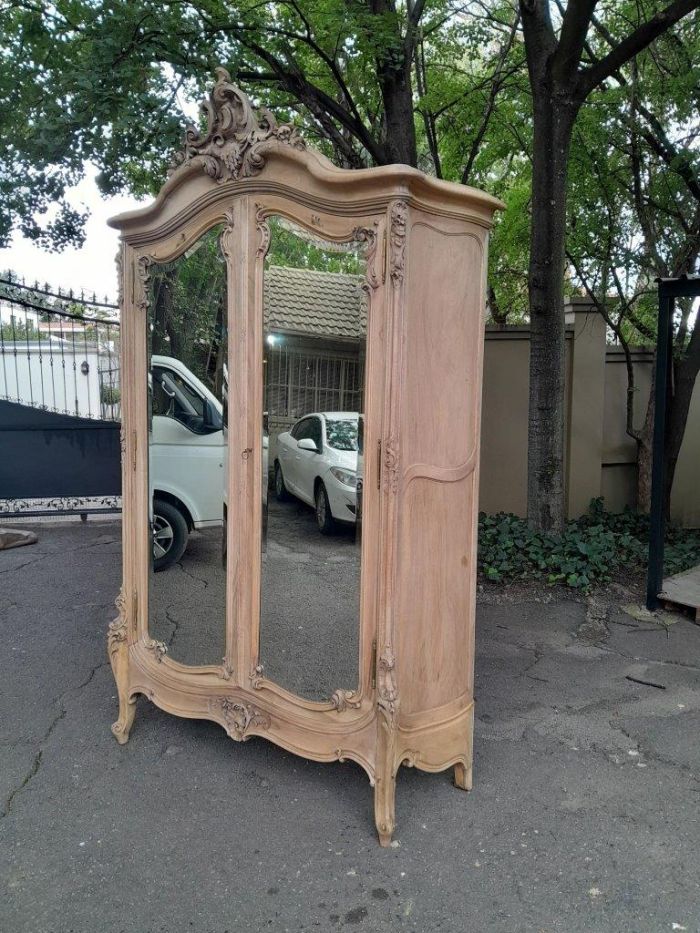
x=317 y=461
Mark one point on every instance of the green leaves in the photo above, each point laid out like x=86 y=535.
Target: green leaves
x=590 y=552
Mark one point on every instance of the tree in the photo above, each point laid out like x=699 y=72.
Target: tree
x=92 y=80
x=635 y=200
x=431 y=83
x=560 y=82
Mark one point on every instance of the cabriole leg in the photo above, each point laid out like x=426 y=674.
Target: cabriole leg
x=384 y=809
x=385 y=785
x=463 y=776
x=118 y=650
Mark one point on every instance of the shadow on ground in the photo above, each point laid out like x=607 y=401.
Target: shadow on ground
x=584 y=814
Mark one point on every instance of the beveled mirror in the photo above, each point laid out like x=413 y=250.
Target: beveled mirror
x=187 y=343
x=314 y=345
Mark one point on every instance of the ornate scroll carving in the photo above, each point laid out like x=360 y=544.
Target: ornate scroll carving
x=386 y=682
x=397 y=237
x=118 y=651
x=142 y=283
x=158 y=648
x=368 y=236
x=231 y=146
x=226 y=669
x=119 y=263
x=256 y=677
x=346 y=699
x=117 y=631
x=263 y=230
x=226 y=236
x=411 y=758
x=391 y=463
x=238 y=717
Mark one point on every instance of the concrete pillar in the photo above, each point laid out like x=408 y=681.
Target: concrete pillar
x=586 y=405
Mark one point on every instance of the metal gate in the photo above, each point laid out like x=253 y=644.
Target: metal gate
x=59 y=402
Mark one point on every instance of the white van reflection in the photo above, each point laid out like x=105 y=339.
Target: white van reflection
x=187 y=472
x=186 y=458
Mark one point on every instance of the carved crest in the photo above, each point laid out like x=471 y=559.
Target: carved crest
x=238 y=717
x=231 y=146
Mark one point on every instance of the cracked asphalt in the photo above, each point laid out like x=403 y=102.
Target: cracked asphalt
x=584 y=814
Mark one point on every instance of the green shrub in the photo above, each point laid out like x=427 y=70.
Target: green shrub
x=591 y=550
x=109 y=395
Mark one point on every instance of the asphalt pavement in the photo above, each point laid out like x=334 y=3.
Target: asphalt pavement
x=584 y=814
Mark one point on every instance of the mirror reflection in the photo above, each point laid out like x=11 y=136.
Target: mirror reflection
x=187 y=388
x=313 y=364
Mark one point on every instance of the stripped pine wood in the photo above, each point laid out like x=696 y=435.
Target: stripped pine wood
x=425 y=250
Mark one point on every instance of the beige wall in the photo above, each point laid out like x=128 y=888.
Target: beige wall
x=600 y=457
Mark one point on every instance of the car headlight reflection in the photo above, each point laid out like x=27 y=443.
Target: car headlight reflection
x=346 y=477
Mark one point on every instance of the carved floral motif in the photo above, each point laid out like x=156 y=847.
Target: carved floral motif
x=143 y=281
x=256 y=677
x=391 y=463
x=399 y=215
x=158 y=648
x=119 y=263
x=238 y=717
x=346 y=699
x=386 y=681
x=368 y=236
x=231 y=146
x=263 y=230
x=117 y=631
x=226 y=236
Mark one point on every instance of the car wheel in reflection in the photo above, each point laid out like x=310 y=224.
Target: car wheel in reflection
x=324 y=516
x=169 y=534
x=281 y=493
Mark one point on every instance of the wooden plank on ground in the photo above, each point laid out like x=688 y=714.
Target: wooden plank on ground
x=683 y=589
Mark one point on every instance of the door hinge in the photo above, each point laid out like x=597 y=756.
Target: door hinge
x=374 y=663
x=379 y=464
x=133 y=450
x=134 y=608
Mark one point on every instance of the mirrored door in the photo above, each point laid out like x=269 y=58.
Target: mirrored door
x=313 y=357
x=187 y=342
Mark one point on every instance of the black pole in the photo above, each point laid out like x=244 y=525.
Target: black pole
x=655 y=572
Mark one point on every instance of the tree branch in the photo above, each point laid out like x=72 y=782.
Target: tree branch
x=572 y=38
x=633 y=44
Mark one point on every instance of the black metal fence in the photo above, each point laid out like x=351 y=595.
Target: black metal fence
x=60 y=402
x=59 y=351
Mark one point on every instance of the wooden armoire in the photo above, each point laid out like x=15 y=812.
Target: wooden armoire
x=412 y=254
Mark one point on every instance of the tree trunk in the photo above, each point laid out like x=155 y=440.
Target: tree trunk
x=397 y=97
x=554 y=116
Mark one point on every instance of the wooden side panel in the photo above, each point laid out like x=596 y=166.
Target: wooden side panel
x=439 y=441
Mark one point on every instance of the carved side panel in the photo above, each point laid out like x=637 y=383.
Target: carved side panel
x=441 y=397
